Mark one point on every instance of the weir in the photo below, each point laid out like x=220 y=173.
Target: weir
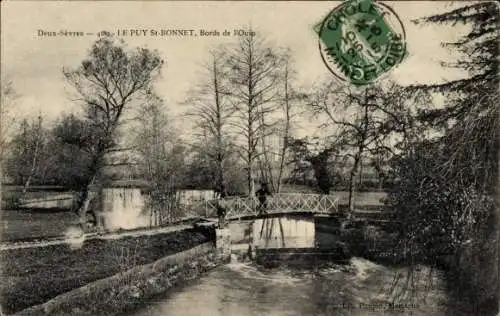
x=287 y=238
x=123 y=208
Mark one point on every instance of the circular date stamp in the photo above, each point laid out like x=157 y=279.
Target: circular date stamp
x=361 y=40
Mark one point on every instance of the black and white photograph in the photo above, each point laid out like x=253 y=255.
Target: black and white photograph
x=248 y=158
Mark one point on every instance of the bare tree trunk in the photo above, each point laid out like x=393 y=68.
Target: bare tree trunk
x=212 y=113
x=2 y=148
x=352 y=181
x=269 y=170
x=360 y=180
x=263 y=174
x=286 y=132
x=250 y=108
x=34 y=161
x=280 y=172
x=358 y=157
x=82 y=211
x=32 y=170
x=250 y=181
x=282 y=160
x=253 y=67
x=219 y=122
x=1 y=181
x=250 y=151
x=95 y=168
x=266 y=168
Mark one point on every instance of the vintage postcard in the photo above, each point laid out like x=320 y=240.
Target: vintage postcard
x=244 y=158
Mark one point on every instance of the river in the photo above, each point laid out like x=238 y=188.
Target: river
x=359 y=288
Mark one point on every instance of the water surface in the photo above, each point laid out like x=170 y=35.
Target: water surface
x=244 y=289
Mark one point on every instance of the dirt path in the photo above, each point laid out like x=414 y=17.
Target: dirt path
x=81 y=238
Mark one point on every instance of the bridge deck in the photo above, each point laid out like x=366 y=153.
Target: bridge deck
x=280 y=213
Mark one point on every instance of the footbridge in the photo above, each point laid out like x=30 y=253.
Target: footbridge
x=294 y=227
x=278 y=204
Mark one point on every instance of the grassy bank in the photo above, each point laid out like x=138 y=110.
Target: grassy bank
x=34 y=275
x=12 y=195
x=127 y=291
x=34 y=223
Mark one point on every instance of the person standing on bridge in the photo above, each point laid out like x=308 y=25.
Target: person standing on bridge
x=221 y=213
x=262 y=194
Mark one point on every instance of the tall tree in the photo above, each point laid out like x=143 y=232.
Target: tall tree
x=68 y=164
x=107 y=82
x=287 y=105
x=154 y=141
x=289 y=98
x=8 y=96
x=311 y=159
x=211 y=111
x=455 y=176
x=357 y=120
x=37 y=144
x=321 y=165
x=28 y=153
x=299 y=160
x=254 y=74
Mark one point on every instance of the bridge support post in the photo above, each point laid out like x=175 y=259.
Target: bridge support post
x=223 y=244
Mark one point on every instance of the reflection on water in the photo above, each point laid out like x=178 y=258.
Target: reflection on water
x=359 y=288
x=284 y=232
x=275 y=232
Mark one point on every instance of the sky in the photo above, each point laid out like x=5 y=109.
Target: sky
x=34 y=63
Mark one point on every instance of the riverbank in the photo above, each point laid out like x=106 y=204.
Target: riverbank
x=126 y=291
x=357 y=288
x=32 y=276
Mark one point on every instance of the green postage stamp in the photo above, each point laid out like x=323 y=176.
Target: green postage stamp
x=361 y=40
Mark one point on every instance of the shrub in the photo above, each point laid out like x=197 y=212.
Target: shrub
x=446 y=220
x=11 y=200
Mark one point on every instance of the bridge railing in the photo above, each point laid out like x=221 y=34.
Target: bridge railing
x=304 y=202
x=280 y=202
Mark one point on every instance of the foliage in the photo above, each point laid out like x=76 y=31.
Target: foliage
x=323 y=170
x=201 y=171
x=363 y=124
x=8 y=98
x=159 y=156
x=107 y=82
x=446 y=216
x=446 y=189
x=28 y=159
x=322 y=164
x=155 y=141
x=70 y=160
x=302 y=172
x=236 y=178
x=50 y=156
